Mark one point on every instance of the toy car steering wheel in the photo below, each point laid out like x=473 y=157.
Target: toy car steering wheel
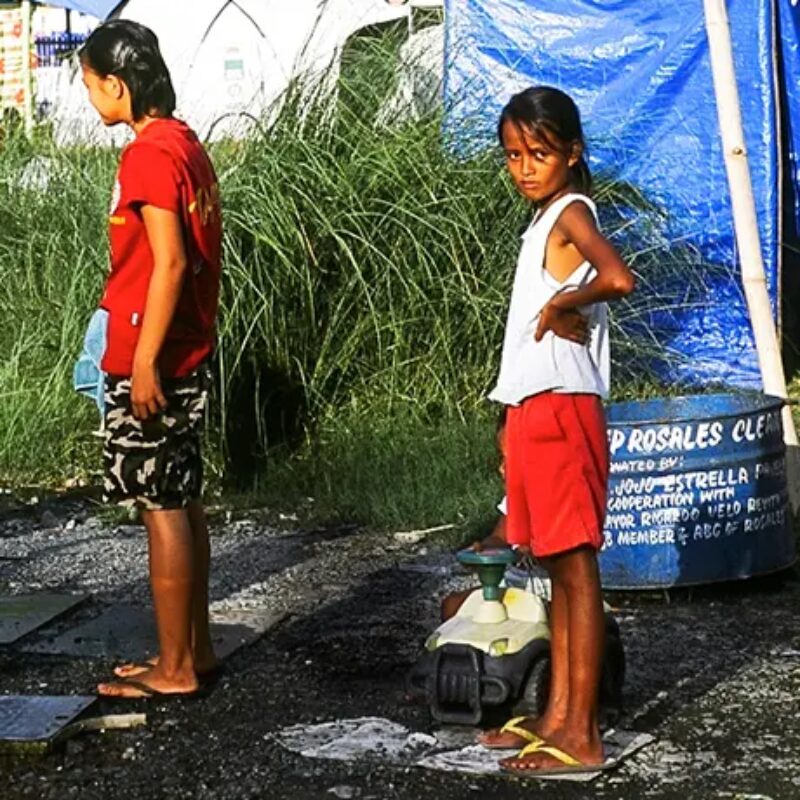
x=490 y=557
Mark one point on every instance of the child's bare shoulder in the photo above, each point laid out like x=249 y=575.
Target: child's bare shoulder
x=576 y=221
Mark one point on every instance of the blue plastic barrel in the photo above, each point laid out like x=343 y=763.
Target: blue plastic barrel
x=697 y=491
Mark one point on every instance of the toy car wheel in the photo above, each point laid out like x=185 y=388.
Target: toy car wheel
x=533 y=699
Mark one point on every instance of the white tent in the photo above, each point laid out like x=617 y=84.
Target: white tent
x=420 y=84
x=230 y=60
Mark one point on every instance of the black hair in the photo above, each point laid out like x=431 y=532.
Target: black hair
x=552 y=116
x=129 y=51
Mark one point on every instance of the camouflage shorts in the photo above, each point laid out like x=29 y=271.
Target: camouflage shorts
x=156 y=463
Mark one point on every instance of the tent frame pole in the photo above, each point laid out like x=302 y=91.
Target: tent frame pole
x=745 y=222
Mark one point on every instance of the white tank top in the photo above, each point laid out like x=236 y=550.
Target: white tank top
x=529 y=367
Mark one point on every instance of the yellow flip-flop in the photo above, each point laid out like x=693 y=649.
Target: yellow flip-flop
x=571 y=765
x=514 y=726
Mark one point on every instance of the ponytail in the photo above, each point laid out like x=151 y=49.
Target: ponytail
x=581 y=176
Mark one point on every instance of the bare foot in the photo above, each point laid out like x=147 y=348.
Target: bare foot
x=519 y=732
x=577 y=752
x=132 y=670
x=153 y=680
x=516 y=733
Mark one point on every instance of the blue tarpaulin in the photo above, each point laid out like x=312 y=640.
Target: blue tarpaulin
x=97 y=8
x=639 y=71
x=788 y=34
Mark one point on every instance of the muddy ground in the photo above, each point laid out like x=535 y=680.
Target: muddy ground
x=713 y=674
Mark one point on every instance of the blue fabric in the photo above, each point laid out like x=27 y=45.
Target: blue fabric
x=640 y=73
x=789 y=38
x=87 y=376
x=97 y=8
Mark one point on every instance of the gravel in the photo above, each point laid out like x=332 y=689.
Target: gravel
x=714 y=675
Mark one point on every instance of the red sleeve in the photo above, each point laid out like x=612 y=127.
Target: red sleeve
x=149 y=177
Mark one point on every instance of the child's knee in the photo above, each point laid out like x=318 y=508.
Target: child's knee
x=452 y=603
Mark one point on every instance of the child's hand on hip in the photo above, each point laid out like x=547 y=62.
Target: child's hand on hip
x=147 y=398
x=568 y=324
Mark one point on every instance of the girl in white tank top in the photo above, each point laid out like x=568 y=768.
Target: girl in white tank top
x=530 y=365
x=554 y=370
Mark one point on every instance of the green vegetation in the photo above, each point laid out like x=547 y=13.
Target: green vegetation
x=367 y=273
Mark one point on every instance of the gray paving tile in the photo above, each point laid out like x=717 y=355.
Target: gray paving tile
x=22 y=614
x=128 y=632
x=28 y=720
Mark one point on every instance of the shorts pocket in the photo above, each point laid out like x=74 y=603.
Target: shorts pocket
x=542 y=421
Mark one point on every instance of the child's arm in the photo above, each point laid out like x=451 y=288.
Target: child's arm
x=497 y=538
x=613 y=280
x=165 y=235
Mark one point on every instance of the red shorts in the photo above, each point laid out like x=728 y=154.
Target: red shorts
x=556 y=471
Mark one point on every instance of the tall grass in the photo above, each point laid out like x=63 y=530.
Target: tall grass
x=366 y=277
x=53 y=257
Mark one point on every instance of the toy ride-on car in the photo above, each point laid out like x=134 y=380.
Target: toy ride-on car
x=495 y=651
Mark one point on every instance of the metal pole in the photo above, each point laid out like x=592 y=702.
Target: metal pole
x=746 y=226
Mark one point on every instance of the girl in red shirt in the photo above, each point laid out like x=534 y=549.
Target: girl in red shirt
x=161 y=299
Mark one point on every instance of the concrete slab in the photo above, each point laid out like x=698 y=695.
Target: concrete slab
x=357 y=739
x=22 y=614
x=36 y=720
x=448 y=750
x=473 y=759
x=128 y=632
